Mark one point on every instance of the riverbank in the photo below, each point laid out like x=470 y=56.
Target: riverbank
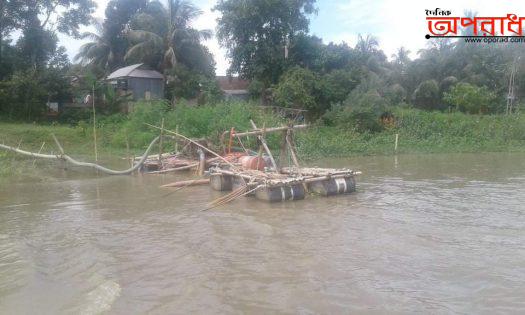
x=418 y=132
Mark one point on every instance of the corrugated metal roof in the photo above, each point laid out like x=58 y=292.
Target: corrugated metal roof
x=134 y=71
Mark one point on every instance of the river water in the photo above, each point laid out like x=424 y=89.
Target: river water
x=423 y=234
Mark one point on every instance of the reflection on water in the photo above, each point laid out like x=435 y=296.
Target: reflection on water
x=428 y=233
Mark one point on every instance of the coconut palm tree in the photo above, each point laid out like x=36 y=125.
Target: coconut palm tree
x=367 y=45
x=159 y=35
x=99 y=51
x=401 y=57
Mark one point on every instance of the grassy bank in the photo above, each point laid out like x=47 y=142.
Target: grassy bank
x=419 y=132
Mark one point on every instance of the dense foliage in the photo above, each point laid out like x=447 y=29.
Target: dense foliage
x=268 y=43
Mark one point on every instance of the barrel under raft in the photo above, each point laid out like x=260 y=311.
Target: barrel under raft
x=221 y=182
x=280 y=193
x=333 y=186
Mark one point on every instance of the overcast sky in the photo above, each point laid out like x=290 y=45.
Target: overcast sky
x=395 y=23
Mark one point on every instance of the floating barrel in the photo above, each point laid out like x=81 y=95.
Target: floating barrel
x=333 y=186
x=221 y=182
x=281 y=193
x=252 y=163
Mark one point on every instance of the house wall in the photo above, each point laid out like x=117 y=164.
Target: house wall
x=236 y=95
x=139 y=87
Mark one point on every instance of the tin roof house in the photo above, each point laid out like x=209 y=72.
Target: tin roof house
x=234 y=88
x=139 y=82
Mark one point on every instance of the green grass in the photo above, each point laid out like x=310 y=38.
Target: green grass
x=419 y=132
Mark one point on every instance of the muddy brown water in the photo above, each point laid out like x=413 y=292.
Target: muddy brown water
x=423 y=234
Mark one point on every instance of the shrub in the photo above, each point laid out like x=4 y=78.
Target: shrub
x=256 y=89
x=211 y=93
x=362 y=108
x=427 y=96
x=396 y=94
x=470 y=98
x=447 y=83
x=196 y=122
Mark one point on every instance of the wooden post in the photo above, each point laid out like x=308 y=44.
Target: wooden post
x=160 y=142
x=395 y=145
x=127 y=152
x=176 y=142
x=293 y=154
x=265 y=146
x=94 y=125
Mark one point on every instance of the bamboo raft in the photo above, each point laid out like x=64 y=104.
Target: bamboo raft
x=291 y=184
x=262 y=177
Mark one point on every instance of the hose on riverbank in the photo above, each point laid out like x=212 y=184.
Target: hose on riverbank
x=67 y=158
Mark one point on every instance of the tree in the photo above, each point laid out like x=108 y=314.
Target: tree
x=401 y=57
x=8 y=21
x=99 y=52
x=39 y=20
x=307 y=51
x=160 y=36
x=118 y=16
x=337 y=84
x=257 y=33
x=25 y=94
x=298 y=89
x=367 y=45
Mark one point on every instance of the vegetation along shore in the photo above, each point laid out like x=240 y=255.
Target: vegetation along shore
x=418 y=132
x=145 y=61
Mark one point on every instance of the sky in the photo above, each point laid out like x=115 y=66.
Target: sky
x=395 y=23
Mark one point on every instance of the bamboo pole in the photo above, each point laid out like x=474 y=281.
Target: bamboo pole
x=177 y=142
x=94 y=125
x=268 y=130
x=291 y=147
x=283 y=154
x=40 y=150
x=176 y=169
x=186 y=183
x=160 y=141
x=292 y=150
x=265 y=146
x=128 y=157
x=395 y=145
x=194 y=142
x=202 y=162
